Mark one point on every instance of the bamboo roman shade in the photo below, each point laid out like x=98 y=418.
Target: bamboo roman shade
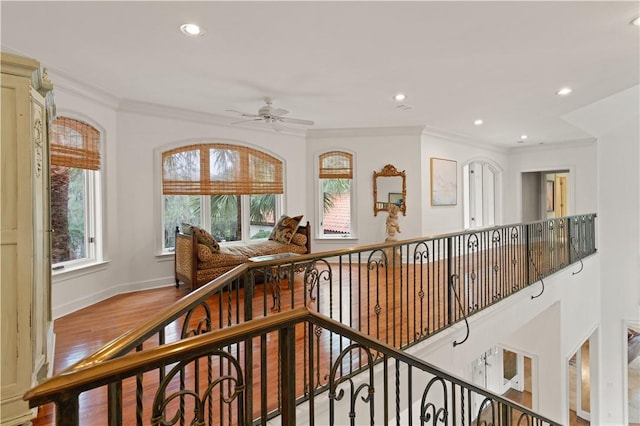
x=217 y=169
x=74 y=144
x=336 y=165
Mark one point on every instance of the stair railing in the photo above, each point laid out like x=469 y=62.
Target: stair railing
x=398 y=293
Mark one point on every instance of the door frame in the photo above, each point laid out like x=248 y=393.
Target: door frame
x=571 y=172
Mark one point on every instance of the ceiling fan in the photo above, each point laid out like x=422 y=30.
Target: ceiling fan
x=272 y=116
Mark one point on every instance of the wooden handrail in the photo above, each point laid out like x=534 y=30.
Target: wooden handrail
x=101 y=373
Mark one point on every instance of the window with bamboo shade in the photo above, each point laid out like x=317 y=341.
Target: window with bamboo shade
x=232 y=191
x=75 y=192
x=335 y=174
x=74 y=143
x=336 y=165
x=219 y=169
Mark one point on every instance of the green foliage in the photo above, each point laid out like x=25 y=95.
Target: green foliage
x=179 y=209
x=262 y=208
x=225 y=217
x=76 y=214
x=332 y=188
x=261 y=234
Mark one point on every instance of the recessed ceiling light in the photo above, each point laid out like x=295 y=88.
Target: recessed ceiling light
x=636 y=22
x=192 y=30
x=400 y=97
x=564 y=91
x=478 y=122
x=523 y=137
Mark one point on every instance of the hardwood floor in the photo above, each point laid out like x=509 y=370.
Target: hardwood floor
x=81 y=333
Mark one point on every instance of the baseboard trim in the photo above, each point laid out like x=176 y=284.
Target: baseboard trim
x=83 y=302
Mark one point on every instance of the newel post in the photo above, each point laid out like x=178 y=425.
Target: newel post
x=67 y=410
x=287 y=348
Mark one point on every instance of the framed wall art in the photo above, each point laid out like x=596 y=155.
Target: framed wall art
x=395 y=198
x=444 y=182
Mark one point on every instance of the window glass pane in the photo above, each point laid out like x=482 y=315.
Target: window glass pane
x=226 y=214
x=262 y=213
x=182 y=166
x=336 y=201
x=179 y=209
x=223 y=164
x=68 y=214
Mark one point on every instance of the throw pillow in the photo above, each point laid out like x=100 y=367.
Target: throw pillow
x=204 y=253
x=285 y=228
x=206 y=238
x=186 y=228
x=299 y=239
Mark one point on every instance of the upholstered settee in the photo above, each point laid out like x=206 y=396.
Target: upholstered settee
x=200 y=259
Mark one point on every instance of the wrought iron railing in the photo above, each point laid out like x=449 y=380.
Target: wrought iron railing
x=395 y=293
x=207 y=380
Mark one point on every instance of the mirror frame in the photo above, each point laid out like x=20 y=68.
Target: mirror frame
x=389 y=171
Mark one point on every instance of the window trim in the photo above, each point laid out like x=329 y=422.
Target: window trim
x=319 y=200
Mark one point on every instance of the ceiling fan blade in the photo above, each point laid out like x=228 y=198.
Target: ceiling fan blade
x=278 y=112
x=244 y=121
x=244 y=114
x=297 y=121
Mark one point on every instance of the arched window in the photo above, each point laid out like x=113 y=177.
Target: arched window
x=75 y=192
x=336 y=200
x=231 y=190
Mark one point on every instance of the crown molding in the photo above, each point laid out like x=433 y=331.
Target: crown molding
x=463 y=140
x=64 y=82
x=354 y=132
x=551 y=146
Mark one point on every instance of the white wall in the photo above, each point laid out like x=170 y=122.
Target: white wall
x=615 y=121
x=74 y=290
x=133 y=192
x=443 y=219
x=579 y=157
x=372 y=149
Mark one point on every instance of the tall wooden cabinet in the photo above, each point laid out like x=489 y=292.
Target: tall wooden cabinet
x=26 y=332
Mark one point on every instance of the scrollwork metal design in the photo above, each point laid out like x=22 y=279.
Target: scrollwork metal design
x=313 y=276
x=526 y=417
x=234 y=384
x=573 y=239
x=538 y=275
x=429 y=412
x=487 y=404
x=354 y=391
x=452 y=285
x=203 y=325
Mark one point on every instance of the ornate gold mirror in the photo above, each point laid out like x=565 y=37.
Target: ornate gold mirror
x=389 y=187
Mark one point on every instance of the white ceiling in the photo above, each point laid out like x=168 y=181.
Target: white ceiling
x=340 y=63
